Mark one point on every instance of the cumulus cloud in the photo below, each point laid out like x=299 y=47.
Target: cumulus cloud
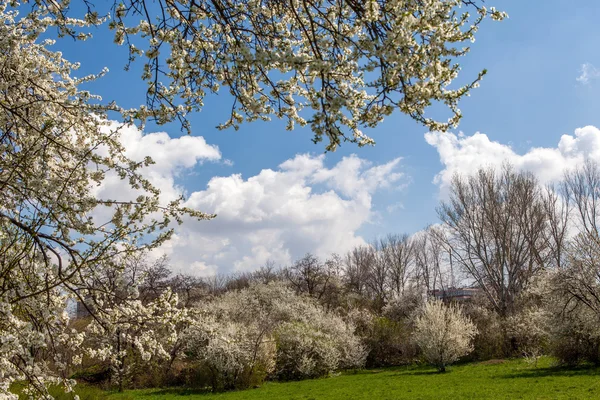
x=171 y=156
x=588 y=73
x=465 y=154
x=280 y=214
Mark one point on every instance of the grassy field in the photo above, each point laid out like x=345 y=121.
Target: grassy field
x=488 y=380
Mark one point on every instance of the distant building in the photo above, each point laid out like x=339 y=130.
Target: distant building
x=81 y=311
x=455 y=294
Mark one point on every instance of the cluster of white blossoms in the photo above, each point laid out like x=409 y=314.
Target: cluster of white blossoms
x=128 y=332
x=267 y=330
x=235 y=353
x=349 y=63
x=443 y=333
x=37 y=345
x=339 y=66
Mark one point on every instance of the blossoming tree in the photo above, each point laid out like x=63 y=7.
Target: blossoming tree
x=443 y=333
x=339 y=66
x=55 y=232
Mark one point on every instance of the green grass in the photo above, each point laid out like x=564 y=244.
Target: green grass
x=488 y=380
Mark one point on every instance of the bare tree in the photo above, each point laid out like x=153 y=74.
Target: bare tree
x=238 y=281
x=433 y=261
x=398 y=253
x=267 y=273
x=558 y=209
x=309 y=275
x=190 y=289
x=496 y=225
x=358 y=264
x=582 y=187
x=580 y=278
x=385 y=266
x=155 y=279
x=331 y=298
x=216 y=284
x=378 y=274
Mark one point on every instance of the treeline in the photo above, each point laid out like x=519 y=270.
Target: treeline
x=146 y=328
x=530 y=252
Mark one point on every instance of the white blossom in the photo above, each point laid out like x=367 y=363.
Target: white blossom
x=443 y=333
x=338 y=66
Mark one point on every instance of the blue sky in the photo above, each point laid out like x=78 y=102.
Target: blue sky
x=529 y=99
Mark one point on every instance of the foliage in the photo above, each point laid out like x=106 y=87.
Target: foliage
x=387 y=337
x=387 y=341
x=490 y=342
x=443 y=333
x=574 y=337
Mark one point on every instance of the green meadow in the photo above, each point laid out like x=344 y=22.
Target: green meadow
x=495 y=379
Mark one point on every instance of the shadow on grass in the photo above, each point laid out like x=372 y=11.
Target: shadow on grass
x=584 y=370
x=418 y=373
x=178 y=392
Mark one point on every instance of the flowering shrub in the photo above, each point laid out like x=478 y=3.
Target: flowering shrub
x=443 y=333
x=230 y=353
x=244 y=336
x=131 y=334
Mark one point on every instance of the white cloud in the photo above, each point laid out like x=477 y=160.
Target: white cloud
x=588 y=72
x=171 y=157
x=279 y=214
x=301 y=206
x=465 y=154
x=392 y=208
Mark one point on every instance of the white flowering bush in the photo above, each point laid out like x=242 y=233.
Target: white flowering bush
x=318 y=347
x=304 y=352
x=529 y=328
x=231 y=354
x=573 y=324
x=443 y=333
x=275 y=308
x=245 y=336
x=529 y=325
x=129 y=335
x=574 y=335
x=402 y=307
